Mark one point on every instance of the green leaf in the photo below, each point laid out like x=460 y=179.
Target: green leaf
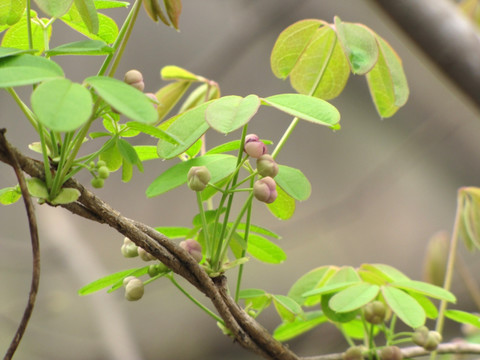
x=169 y=95
x=309 y=281
x=334 y=316
x=209 y=217
x=88 y=13
x=256 y=300
x=264 y=250
x=188 y=127
x=424 y=288
x=112 y=157
x=250 y=293
x=353 y=297
x=469 y=230
x=202 y=93
x=344 y=274
x=173 y=232
x=66 y=196
x=329 y=288
x=286 y=307
x=463 y=317
x=129 y=154
x=84 y=47
x=10 y=195
x=305 y=107
x=127 y=170
x=404 y=306
x=27 y=69
x=110 y=4
x=136 y=272
x=124 y=98
x=146 y=152
x=231 y=146
x=17 y=35
x=293 y=182
x=219 y=166
x=386 y=272
x=6 y=52
x=299 y=326
x=387 y=82
x=258 y=229
x=155 y=132
x=172 y=72
x=54 y=8
x=230 y=113
x=11 y=11
x=107 y=281
x=62 y=105
x=428 y=306
x=359 y=44
x=37 y=188
x=107 y=32
x=283 y=207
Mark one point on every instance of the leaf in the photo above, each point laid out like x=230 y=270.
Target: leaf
x=386 y=272
x=209 y=217
x=66 y=196
x=124 y=98
x=146 y=152
x=136 y=272
x=110 y=4
x=172 y=72
x=313 y=279
x=173 y=232
x=84 y=47
x=469 y=229
x=112 y=157
x=286 y=307
x=330 y=288
x=155 y=132
x=264 y=250
x=387 y=82
x=427 y=289
x=62 y=105
x=11 y=11
x=353 y=297
x=54 y=8
x=231 y=146
x=173 y=8
x=188 y=127
x=359 y=44
x=10 y=195
x=107 y=31
x=334 y=316
x=290 y=330
x=6 y=52
x=284 y=206
x=219 y=166
x=427 y=305
x=129 y=154
x=37 y=188
x=404 y=306
x=88 y=13
x=250 y=293
x=293 y=182
x=169 y=95
x=17 y=35
x=106 y=281
x=230 y=113
x=305 y=107
x=463 y=317
x=127 y=170
x=259 y=230
x=201 y=94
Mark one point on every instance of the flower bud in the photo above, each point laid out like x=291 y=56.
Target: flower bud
x=391 y=353
x=354 y=353
x=193 y=247
x=154 y=99
x=135 y=79
x=127 y=280
x=198 y=178
x=433 y=340
x=419 y=337
x=129 y=249
x=134 y=289
x=97 y=182
x=253 y=146
x=375 y=312
x=435 y=262
x=155 y=269
x=103 y=172
x=266 y=166
x=265 y=190
x=144 y=255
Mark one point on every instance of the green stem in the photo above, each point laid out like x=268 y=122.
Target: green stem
x=195 y=301
x=46 y=162
x=29 y=26
x=204 y=223
x=25 y=109
x=58 y=180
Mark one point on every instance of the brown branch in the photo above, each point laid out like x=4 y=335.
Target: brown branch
x=445 y=35
x=32 y=222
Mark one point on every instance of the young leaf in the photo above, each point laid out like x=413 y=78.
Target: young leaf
x=386 y=272
x=305 y=107
x=172 y=72
x=334 y=316
x=353 y=297
x=84 y=47
x=259 y=230
x=463 y=317
x=62 y=105
x=155 y=132
x=264 y=250
x=309 y=281
x=17 y=35
x=37 y=188
x=231 y=146
x=293 y=182
x=424 y=288
x=10 y=195
x=146 y=152
x=129 y=154
x=219 y=166
x=470 y=223
x=125 y=98
x=54 y=8
x=11 y=11
x=110 y=4
x=88 y=13
x=286 y=307
x=359 y=45
x=202 y=93
x=290 y=330
x=106 y=281
x=173 y=232
x=330 y=288
x=404 y=306
x=230 y=113
x=66 y=196
x=169 y=95
x=173 y=8
x=6 y=52
x=112 y=157
x=250 y=293
x=107 y=31
x=428 y=306
x=283 y=207
x=127 y=170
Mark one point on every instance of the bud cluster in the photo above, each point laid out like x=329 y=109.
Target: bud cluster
x=426 y=338
x=100 y=172
x=198 y=178
x=135 y=78
x=375 y=312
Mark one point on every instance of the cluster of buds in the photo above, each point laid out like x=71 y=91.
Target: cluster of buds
x=198 y=178
x=135 y=78
x=129 y=249
x=134 y=288
x=375 y=312
x=101 y=173
x=426 y=338
x=193 y=247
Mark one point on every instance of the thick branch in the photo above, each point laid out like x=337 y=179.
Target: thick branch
x=445 y=35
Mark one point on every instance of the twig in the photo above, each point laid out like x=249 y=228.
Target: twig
x=32 y=222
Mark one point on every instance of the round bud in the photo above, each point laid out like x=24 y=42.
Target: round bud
x=101 y=163
x=91 y=165
x=97 y=182
x=155 y=269
x=144 y=255
x=134 y=290
x=253 y=146
x=129 y=249
x=432 y=341
x=354 y=353
x=420 y=335
x=391 y=353
x=375 y=312
x=265 y=190
x=103 y=172
x=266 y=166
x=193 y=247
x=135 y=79
x=198 y=178
x=127 y=280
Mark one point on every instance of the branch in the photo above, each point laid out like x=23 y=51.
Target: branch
x=445 y=35
x=32 y=222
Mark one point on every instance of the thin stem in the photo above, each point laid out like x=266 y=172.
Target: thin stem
x=46 y=162
x=58 y=180
x=25 y=109
x=195 y=301
x=29 y=26
x=204 y=222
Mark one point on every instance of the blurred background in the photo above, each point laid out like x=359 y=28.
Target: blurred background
x=380 y=189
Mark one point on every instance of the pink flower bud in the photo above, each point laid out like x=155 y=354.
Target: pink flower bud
x=266 y=166
x=265 y=190
x=193 y=247
x=253 y=146
x=198 y=178
x=154 y=99
x=135 y=79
